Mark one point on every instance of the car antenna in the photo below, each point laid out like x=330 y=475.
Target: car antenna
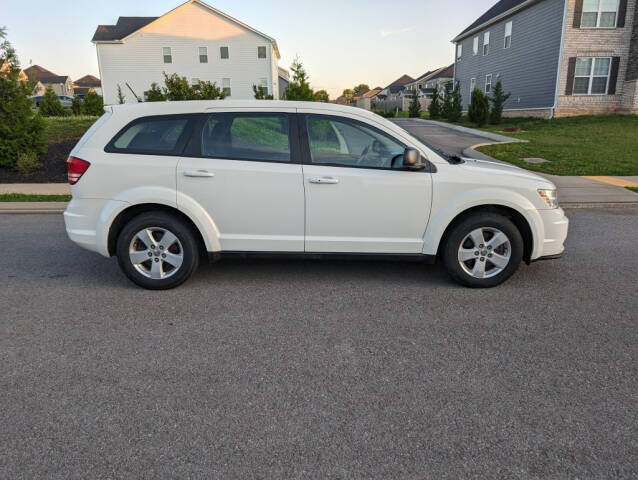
x=139 y=100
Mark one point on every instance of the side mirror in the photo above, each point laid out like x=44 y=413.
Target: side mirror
x=412 y=159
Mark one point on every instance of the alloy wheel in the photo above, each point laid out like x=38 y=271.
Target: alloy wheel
x=485 y=252
x=156 y=253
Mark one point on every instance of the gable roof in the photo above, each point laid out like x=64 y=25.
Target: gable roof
x=426 y=74
x=445 y=72
x=88 y=81
x=498 y=11
x=372 y=93
x=36 y=72
x=403 y=80
x=127 y=26
x=56 y=79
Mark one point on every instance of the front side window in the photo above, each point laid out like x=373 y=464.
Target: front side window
x=226 y=86
x=350 y=143
x=488 y=83
x=459 y=51
x=486 y=43
x=508 y=35
x=475 y=45
x=223 y=53
x=261 y=52
x=599 y=13
x=159 y=135
x=168 y=56
x=241 y=136
x=203 y=54
x=592 y=76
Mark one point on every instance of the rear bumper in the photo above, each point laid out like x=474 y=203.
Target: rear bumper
x=556 y=227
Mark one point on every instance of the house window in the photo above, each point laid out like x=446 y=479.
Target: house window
x=263 y=83
x=475 y=46
x=459 y=52
x=592 y=76
x=472 y=85
x=223 y=53
x=195 y=82
x=226 y=86
x=203 y=54
x=168 y=56
x=508 y=35
x=488 y=83
x=261 y=52
x=486 y=43
x=599 y=13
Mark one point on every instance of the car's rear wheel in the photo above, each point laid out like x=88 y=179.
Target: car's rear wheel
x=483 y=250
x=157 y=251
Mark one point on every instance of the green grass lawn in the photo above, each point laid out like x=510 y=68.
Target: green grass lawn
x=20 y=197
x=633 y=189
x=57 y=128
x=587 y=145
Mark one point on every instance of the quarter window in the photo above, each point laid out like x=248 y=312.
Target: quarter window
x=160 y=135
x=599 y=13
x=168 y=56
x=488 y=83
x=592 y=76
x=486 y=43
x=349 y=143
x=259 y=137
x=475 y=45
x=261 y=52
x=508 y=35
x=226 y=86
x=223 y=53
x=203 y=54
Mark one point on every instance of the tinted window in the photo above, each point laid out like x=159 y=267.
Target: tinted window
x=341 y=141
x=160 y=135
x=247 y=137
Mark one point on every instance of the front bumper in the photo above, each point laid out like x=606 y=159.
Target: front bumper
x=555 y=226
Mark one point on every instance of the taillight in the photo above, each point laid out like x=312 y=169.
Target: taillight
x=75 y=168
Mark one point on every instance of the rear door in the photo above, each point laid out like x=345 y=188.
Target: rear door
x=243 y=168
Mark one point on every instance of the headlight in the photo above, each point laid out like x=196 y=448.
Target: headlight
x=550 y=197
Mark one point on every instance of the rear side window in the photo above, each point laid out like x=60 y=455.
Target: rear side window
x=241 y=136
x=152 y=135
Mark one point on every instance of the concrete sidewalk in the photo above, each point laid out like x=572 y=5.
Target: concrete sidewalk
x=36 y=188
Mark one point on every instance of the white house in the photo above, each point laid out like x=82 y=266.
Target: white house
x=194 y=40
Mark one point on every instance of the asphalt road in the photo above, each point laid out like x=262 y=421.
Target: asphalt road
x=292 y=369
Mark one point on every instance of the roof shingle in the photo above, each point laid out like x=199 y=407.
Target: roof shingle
x=122 y=29
x=498 y=9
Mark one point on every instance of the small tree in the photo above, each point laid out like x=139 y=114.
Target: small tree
x=177 y=88
x=447 y=101
x=155 y=94
x=414 y=110
x=93 y=104
x=21 y=130
x=455 y=110
x=435 y=105
x=498 y=99
x=120 y=96
x=261 y=93
x=299 y=87
x=50 y=105
x=76 y=106
x=322 y=96
x=479 y=108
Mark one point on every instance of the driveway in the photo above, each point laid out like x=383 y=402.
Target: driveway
x=292 y=369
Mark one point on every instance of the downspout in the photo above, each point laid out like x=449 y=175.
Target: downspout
x=560 y=60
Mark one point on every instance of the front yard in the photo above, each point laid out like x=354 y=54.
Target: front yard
x=588 y=145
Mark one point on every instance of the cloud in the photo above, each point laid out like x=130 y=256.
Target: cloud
x=388 y=33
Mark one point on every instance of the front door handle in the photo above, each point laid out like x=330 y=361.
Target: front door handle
x=199 y=174
x=324 y=180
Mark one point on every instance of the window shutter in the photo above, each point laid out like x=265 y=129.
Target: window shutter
x=571 y=71
x=578 y=13
x=613 y=75
x=622 y=13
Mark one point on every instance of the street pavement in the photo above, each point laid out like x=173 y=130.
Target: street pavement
x=310 y=369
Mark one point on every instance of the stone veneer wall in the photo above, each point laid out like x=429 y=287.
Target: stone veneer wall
x=601 y=42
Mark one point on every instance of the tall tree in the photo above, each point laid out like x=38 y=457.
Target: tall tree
x=456 y=105
x=414 y=110
x=360 y=89
x=348 y=93
x=447 y=101
x=435 y=105
x=299 y=87
x=498 y=99
x=322 y=96
x=21 y=130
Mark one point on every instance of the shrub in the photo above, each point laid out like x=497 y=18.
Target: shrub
x=93 y=104
x=498 y=99
x=455 y=110
x=260 y=93
x=178 y=89
x=479 y=109
x=28 y=162
x=155 y=94
x=299 y=87
x=21 y=129
x=414 y=110
x=435 y=105
x=76 y=106
x=50 y=105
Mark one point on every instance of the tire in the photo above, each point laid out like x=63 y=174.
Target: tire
x=475 y=255
x=167 y=266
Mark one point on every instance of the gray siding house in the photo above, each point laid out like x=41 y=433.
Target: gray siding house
x=556 y=57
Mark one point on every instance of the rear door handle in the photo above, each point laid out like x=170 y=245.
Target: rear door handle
x=324 y=180
x=199 y=174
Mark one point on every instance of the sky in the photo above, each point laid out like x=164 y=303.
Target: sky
x=342 y=43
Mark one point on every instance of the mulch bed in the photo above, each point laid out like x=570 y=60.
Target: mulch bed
x=53 y=165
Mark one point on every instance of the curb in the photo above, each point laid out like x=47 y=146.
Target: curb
x=16 y=208
x=478 y=133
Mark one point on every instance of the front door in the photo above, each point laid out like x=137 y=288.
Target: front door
x=247 y=179
x=359 y=199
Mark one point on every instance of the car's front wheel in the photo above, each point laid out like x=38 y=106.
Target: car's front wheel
x=157 y=251
x=483 y=250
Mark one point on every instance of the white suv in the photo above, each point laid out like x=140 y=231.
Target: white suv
x=160 y=185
